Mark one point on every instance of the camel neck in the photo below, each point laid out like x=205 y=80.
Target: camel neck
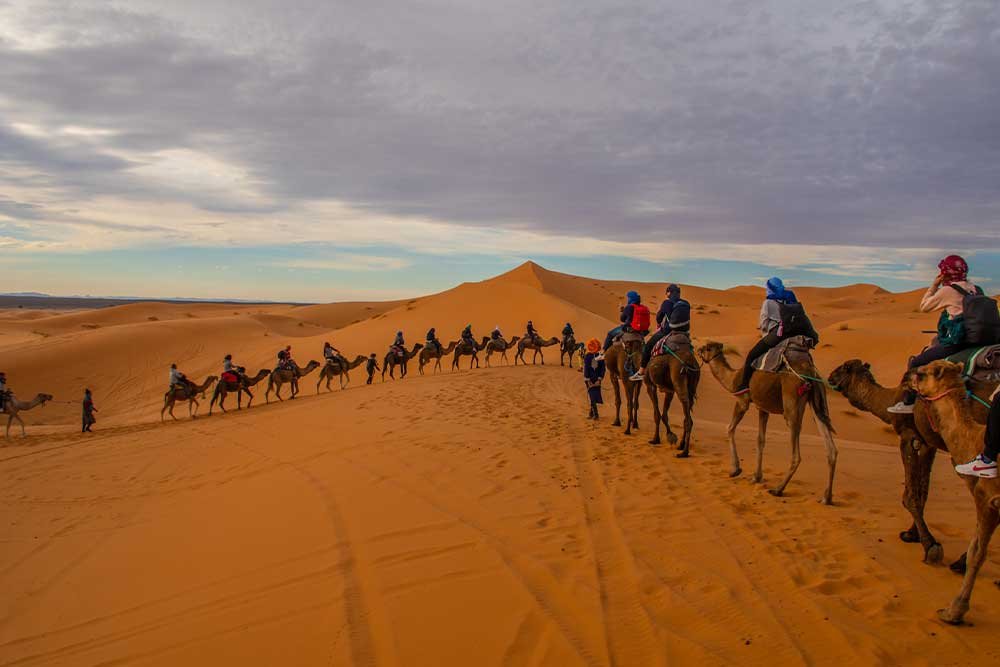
x=959 y=430
x=870 y=396
x=724 y=373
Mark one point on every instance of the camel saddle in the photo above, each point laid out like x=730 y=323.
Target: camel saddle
x=787 y=351
x=400 y=352
x=230 y=378
x=675 y=341
x=629 y=337
x=981 y=364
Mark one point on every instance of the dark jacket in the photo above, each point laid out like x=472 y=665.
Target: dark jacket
x=371 y=365
x=593 y=368
x=567 y=330
x=626 y=316
x=432 y=335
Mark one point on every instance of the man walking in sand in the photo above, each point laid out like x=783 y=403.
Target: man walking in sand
x=88 y=411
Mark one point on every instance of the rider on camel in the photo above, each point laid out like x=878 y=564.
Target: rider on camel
x=4 y=392
x=433 y=342
x=674 y=315
x=232 y=369
x=531 y=334
x=285 y=361
x=628 y=319
x=467 y=336
x=399 y=345
x=178 y=380
x=332 y=354
x=567 y=333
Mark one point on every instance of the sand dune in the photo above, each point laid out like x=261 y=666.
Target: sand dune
x=463 y=518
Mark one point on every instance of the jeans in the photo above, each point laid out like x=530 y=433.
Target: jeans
x=763 y=345
x=611 y=337
x=992 y=448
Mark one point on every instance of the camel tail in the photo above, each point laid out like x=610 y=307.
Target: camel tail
x=817 y=399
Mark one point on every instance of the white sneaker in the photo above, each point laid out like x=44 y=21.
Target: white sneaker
x=977 y=467
x=900 y=409
x=636 y=377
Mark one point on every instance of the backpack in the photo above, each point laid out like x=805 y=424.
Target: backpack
x=640 y=318
x=981 y=317
x=795 y=322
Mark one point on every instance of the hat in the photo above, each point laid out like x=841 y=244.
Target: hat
x=953 y=269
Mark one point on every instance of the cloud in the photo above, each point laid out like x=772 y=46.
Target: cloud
x=836 y=138
x=346 y=262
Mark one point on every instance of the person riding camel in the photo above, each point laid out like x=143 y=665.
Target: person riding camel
x=634 y=319
x=234 y=372
x=4 y=392
x=567 y=333
x=953 y=327
x=432 y=342
x=332 y=354
x=781 y=317
x=285 y=361
x=674 y=315
x=178 y=380
x=467 y=336
x=530 y=333
x=496 y=334
x=398 y=346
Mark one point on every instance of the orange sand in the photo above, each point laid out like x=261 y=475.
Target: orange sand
x=467 y=518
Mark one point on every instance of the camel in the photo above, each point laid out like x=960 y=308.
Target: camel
x=12 y=407
x=784 y=393
x=942 y=389
x=222 y=389
x=464 y=348
x=189 y=394
x=335 y=368
x=536 y=345
x=568 y=347
x=280 y=376
x=671 y=375
x=436 y=354
x=615 y=359
x=918 y=445
x=391 y=360
x=500 y=346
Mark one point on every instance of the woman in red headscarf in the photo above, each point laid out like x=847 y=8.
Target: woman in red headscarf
x=945 y=295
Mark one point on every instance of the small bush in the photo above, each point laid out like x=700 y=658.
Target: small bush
x=41 y=333
x=91 y=326
x=153 y=318
x=714 y=312
x=844 y=327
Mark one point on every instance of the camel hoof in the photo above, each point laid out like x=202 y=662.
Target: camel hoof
x=775 y=492
x=736 y=473
x=959 y=566
x=683 y=454
x=934 y=554
x=910 y=536
x=756 y=479
x=826 y=500
x=950 y=617
x=616 y=422
x=655 y=441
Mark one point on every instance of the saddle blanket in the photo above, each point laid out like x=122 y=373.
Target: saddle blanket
x=984 y=363
x=790 y=349
x=675 y=341
x=230 y=378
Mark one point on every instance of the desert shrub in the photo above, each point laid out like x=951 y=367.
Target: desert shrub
x=153 y=318
x=844 y=326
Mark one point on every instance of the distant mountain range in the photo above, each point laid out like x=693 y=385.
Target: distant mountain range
x=177 y=299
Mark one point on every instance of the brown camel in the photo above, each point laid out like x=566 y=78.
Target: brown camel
x=614 y=360
x=942 y=389
x=785 y=393
x=243 y=386
x=12 y=407
x=188 y=393
x=568 y=348
x=335 y=368
x=392 y=360
x=918 y=445
x=464 y=348
x=280 y=376
x=671 y=375
x=536 y=345
x=436 y=354
x=500 y=346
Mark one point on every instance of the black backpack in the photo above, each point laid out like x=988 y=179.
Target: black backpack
x=795 y=322
x=981 y=317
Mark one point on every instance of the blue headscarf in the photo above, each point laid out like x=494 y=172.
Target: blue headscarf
x=776 y=291
x=633 y=297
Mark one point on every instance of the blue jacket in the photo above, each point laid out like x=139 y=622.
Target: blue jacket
x=593 y=370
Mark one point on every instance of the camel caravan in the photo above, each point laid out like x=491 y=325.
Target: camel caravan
x=946 y=400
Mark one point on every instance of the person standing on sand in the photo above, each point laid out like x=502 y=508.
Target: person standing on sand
x=88 y=411
x=3 y=390
x=371 y=367
x=985 y=465
x=953 y=272
x=593 y=374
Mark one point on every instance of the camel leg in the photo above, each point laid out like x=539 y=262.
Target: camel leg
x=793 y=417
x=11 y=418
x=657 y=415
x=762 y=417
x=668 y=400
x=629 y=421
x=739 y=412
x=986 y=524
x=685 y=446
x=831 y=459
x=618 y=401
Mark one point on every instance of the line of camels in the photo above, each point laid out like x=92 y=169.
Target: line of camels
x=945 y=420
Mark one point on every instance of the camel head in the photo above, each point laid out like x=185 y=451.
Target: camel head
x=710 y=351
x=850 y=372
x=936 y=378
x=44 y=398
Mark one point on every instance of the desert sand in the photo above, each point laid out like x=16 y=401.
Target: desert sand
x=468 y=518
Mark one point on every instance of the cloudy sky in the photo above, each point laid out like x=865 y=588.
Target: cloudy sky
x=330 y=149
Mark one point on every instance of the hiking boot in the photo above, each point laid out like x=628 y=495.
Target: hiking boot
x=901 y=408
x=978 y=467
